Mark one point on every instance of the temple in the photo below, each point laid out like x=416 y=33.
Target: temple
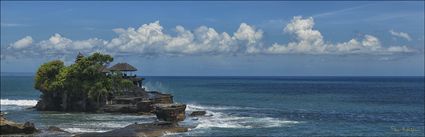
x=137 y=99
x=126 y=71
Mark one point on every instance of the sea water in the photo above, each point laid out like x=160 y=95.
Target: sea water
x=254 y=106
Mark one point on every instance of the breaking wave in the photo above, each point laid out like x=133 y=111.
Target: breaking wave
x=155 y=86
x=202 y=107
x=23 y=102
x=216 y=119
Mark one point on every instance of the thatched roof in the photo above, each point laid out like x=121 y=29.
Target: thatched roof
x=122 y=67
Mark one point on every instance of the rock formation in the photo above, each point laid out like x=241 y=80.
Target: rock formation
x=155 y=102
x=170 y=112
x=89 y=86
x=140 y=130
x=9 y=127
x=198 y=113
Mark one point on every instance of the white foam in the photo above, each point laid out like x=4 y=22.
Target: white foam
x=192 y=107
x=172 y=134
x=82 y=130
x=154 y=86
x=23 y=102
x=216 y=119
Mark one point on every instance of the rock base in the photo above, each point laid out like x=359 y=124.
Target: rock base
x=170 y=112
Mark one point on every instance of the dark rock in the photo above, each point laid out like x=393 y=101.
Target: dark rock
x=56 y=129
x=135 y=92
x=141 y=104
x=160 y=98
x=170 y=112
x=10 y=127
x=127 y=100
x=29 y=128
x=33 y=107
x=49 y=102
x=138 y=130
x=145 y=113
x=120 y=108
x=198 y=113
x=145 y=106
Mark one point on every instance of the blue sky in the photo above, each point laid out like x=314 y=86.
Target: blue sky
x=220 y=38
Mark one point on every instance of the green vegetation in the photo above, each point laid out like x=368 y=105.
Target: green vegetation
x=81 y=86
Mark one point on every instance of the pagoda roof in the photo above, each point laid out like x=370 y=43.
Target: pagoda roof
x=122 y=67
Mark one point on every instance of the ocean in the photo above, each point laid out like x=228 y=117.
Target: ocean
x=254 y=106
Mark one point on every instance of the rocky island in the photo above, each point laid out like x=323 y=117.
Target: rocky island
x=89 y=85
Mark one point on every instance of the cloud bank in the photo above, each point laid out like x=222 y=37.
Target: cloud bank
x=151 y=40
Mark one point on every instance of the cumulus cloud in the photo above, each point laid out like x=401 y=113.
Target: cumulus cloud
x=250 y=36
x=152 y=40
x=58 y=44
x=308 y=39
x=22 y=43
x=311 y=41
x=401 y=35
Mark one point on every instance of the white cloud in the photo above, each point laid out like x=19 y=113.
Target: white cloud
x=22 y=43
x=401 y=35
x=58 y=44
x=151 y=40
x=400 y=49
x=146 y=39
x=250 y=38
x=311 y=41
x=248 y=33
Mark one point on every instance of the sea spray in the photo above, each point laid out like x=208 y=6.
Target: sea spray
x=216 y=119
x=155 y=86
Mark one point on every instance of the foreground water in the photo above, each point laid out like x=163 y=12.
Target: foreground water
x=263 y=106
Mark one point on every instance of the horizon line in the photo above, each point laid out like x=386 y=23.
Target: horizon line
x=33 y=73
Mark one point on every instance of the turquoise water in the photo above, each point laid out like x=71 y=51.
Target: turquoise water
x=263 y=106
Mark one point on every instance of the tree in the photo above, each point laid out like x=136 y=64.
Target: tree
x=80 y=83
x=46 y=74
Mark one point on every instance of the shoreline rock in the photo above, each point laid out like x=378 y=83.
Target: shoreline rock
x=9 y=127
x=170 y=112
x=198 y=113
x=137 y=130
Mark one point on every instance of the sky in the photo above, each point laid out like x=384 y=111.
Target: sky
x=275 y=38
